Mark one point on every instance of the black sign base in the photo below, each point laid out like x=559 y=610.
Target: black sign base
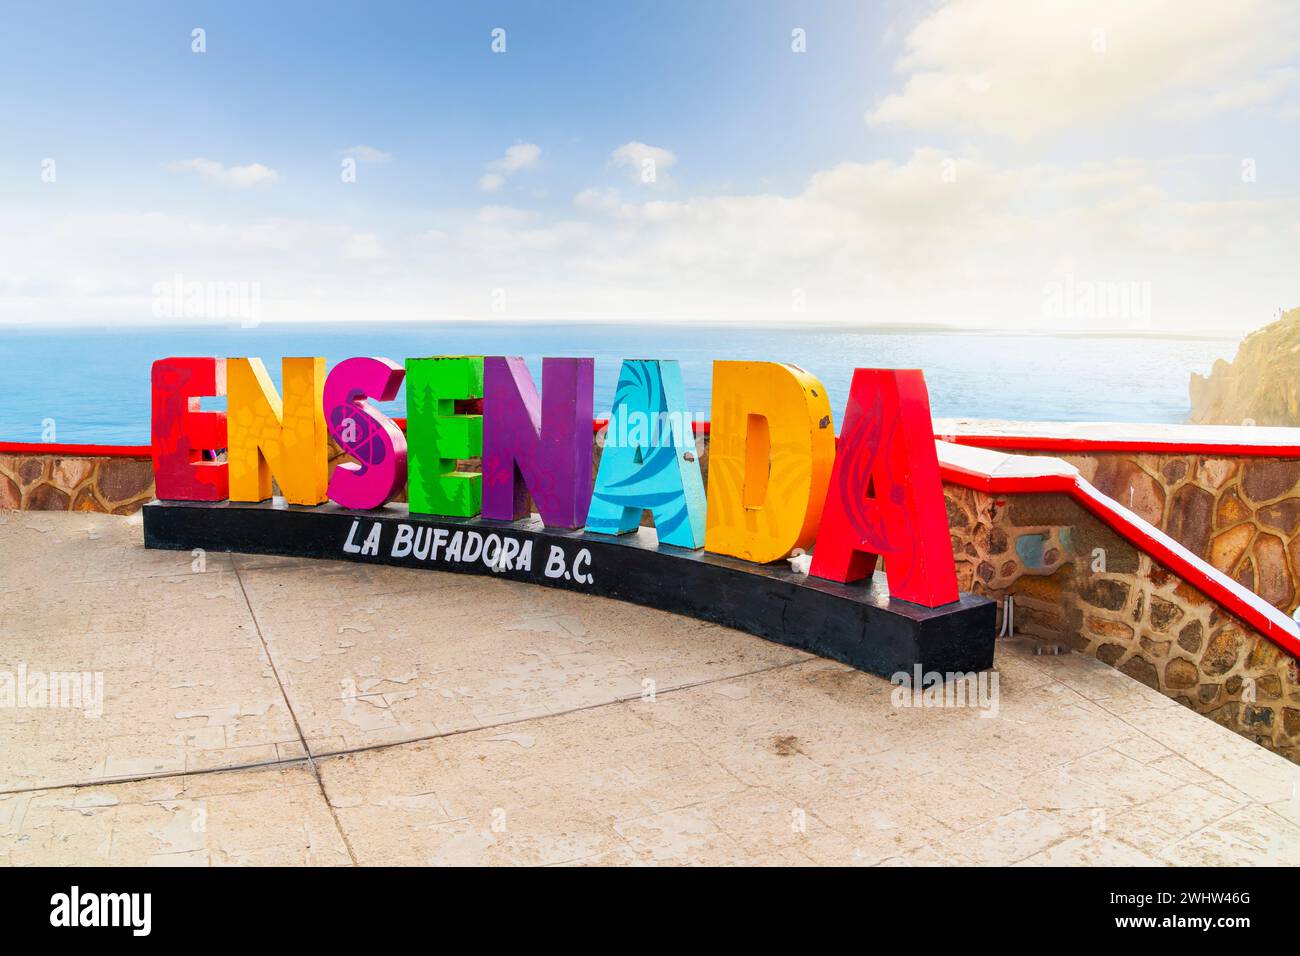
x=859 y=625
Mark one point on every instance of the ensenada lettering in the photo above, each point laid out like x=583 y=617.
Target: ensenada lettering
x=779 y=481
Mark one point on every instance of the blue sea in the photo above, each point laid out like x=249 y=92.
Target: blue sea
x=92 y=384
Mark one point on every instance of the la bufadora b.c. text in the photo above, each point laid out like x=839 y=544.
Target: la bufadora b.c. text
x=442 y=546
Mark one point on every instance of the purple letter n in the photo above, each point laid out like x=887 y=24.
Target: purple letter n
x=537 y=445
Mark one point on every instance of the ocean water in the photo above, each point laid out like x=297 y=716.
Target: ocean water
x=92 y=384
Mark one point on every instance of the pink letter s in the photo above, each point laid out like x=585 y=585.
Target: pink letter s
x=364 y=432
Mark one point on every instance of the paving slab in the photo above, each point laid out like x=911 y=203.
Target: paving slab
x=170 y=672
x=809 y=764
x=376 y=655
x=67 y=549
x=456 y=719
x=267 y=817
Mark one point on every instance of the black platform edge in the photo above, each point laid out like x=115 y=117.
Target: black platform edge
x=859 y=625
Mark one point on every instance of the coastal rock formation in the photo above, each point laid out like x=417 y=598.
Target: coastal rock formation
x=1260 y=386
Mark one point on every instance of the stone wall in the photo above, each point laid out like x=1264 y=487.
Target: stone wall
x=70 y=483
x=1075 y=582
x=1242 y=515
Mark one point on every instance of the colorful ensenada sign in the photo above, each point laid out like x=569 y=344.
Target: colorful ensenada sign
x=779 y=483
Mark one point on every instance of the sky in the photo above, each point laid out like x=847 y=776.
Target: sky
x=1039 y=165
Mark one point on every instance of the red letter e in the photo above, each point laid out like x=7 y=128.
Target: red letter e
x=182 y=433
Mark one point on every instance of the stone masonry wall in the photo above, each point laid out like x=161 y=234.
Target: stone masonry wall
x=1242 y=515
x=68 y=483
x=1075 y=582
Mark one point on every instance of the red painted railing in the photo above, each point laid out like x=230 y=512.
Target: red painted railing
x=998 y=473
x=1233 y=441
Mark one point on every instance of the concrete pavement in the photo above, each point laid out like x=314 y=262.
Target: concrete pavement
x=269 y=711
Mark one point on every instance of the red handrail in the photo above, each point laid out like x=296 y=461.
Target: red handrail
x=1055 y=476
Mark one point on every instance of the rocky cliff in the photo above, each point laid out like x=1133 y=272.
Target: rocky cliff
x=1260 y=386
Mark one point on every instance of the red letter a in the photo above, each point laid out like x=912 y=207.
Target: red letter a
x=885 y=496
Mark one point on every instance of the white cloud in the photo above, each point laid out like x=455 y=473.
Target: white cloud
x=517 y=157
x=933 y=238
x=363 y=247
x=367 y=154
x=645 y=164
x=505 y=216
x=1018 y=69
x=239 y=177
x=1255 y=91
x=597 y=199
x=936 y=238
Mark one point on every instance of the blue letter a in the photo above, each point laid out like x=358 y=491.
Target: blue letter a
x=649 y=459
